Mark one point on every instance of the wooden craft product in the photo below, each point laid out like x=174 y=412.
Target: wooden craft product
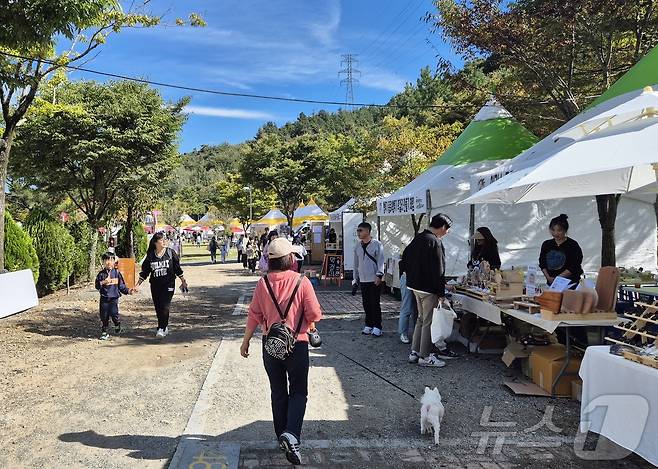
x=580 y=301
x=606 y=287
x=531 y=307
x=596 y=316
x=550 y=301
x=632 y=331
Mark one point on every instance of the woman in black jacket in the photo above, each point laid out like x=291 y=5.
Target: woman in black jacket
x=485 y=248
x=162 y=264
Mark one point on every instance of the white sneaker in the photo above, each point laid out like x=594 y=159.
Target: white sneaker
x=376 y=332
x=404 y=339
x=367 y=330
x=290 y=445
x=413 y=357
x=165 y=333
x=160 y=334
x=432 y=361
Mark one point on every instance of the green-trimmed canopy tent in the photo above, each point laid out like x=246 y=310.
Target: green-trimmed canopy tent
x=493 y=136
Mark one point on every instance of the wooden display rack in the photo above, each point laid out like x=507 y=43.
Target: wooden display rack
x=632 y=331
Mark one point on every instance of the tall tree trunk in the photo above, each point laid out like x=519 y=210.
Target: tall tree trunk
x=130 y=242
x=5 y=149
x=416 y=222
x=607 y=207
x=93 y=245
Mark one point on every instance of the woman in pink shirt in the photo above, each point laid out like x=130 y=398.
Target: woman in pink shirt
x=288 y=403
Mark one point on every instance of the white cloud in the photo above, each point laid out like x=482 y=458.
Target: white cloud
x=229 y=113
x=382 y=80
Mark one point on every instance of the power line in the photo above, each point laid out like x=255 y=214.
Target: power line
x=382 y=47
x=389 y=25
x=225 y=93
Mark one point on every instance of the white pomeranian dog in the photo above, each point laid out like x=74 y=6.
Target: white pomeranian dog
x=431 y=413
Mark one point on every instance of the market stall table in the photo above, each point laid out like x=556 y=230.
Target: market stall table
x=619 y=401
x=550 y=326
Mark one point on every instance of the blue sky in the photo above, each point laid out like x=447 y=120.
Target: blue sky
x=288 y=48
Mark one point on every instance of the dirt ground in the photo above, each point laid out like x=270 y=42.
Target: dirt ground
x=70 y=400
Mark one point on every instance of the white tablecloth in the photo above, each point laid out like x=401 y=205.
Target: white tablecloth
x=482 y=309
x=619 y=397
x=550 y=326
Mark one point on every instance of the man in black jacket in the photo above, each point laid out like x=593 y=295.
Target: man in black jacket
x=424 y=261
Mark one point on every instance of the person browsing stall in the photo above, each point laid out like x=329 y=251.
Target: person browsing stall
x=561 y=256
x=368 y=274
x=485 y=248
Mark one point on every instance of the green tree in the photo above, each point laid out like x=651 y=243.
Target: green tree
x=19 y=249
x=28 y=55
x=288 y=168
x=232 y=195
x=82 y=235
x=97 y=141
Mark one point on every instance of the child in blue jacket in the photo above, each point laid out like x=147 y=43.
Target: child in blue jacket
x=110 y=285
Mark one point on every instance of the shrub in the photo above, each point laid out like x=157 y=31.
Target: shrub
x=81 y=232
x=56 y=250
x=140 y=241
x=19 y=249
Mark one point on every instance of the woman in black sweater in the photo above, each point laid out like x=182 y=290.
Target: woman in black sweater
x=561 y=256
x=485 y=248
x=162 y=264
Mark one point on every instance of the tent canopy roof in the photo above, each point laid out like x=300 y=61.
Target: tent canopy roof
x=492 y=136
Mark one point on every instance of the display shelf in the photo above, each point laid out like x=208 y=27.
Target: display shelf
x=633 y=316
x=650 y=336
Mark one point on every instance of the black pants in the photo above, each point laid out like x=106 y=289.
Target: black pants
x=252 y=265
x=244 y=260
x=288 y=402
x=108 y=308
x=370 y=294
x=162 y=296
x=213 y=256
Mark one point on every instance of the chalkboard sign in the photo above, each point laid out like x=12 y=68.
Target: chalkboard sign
x=332 y=266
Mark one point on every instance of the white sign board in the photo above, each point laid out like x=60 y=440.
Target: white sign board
x=17 y=292
x=350 y=223
x=531 y=280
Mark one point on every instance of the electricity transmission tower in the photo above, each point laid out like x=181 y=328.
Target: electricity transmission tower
x=349 y=75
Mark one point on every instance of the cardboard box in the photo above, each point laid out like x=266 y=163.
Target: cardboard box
x=577 y=390
x=526 y=367
x=546 y=363
x=515 y=351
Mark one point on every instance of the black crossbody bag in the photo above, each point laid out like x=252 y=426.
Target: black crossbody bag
x=280 y=339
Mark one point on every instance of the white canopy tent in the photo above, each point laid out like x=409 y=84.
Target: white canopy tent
x=608 y=149
x=520 y=229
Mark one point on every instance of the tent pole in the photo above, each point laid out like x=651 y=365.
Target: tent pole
x=428 y=204
x=379 y=228
x=471 y=223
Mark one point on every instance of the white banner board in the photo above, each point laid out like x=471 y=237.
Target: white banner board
x=17 y=292
x=350 y=223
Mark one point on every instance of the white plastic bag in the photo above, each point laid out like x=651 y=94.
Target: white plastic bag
x=442 y=320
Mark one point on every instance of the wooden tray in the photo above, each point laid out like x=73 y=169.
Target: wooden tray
x=634 y=357
x=649 y=361
x=531 y=307
x=551 y=316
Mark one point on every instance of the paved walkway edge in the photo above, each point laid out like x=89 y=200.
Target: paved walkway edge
x=194 y=430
